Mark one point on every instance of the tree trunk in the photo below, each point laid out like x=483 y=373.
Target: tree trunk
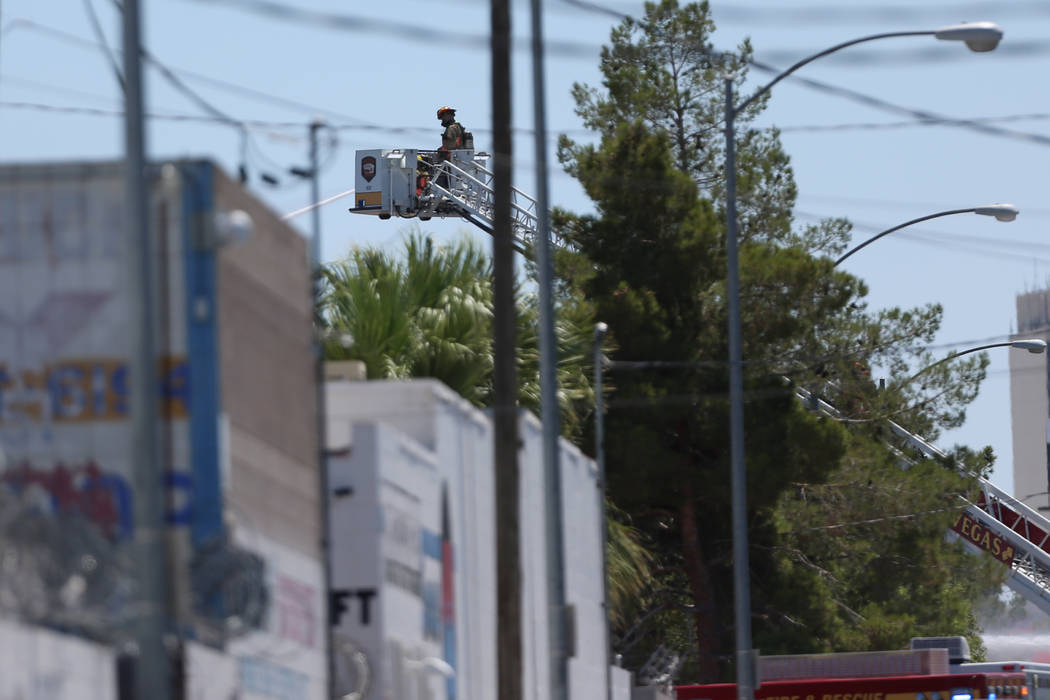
x=700 y=585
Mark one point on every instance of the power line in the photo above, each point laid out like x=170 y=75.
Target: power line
x=885 y=106
x=883 y=519
x=355 y=123
x=882 y=203
x=102 y=43
x=251 y=93
x=922 y=232
x=961 y=243
x=849 y=12
x=567 y=49
x=595 y=7
x=911 y=56
x=98 y=111
x=400 y=30
x=876 y=126
x=223 y=120
x=58 y=90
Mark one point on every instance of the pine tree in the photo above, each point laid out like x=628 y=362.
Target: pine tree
x=651 y=260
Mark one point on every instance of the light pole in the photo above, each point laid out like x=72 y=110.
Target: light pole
x=978 y=36
x=558 y=630
x=149 y=674
x=1001 y=212
x=600 y=329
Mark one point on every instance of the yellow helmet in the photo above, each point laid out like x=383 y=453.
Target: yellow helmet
x=446 y=108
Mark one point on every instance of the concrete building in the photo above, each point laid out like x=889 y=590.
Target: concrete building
x=414 y=549
x=238 y=434
x=1030 y=403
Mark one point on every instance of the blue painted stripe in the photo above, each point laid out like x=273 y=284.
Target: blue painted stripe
x=431 y=543
x=202 y=344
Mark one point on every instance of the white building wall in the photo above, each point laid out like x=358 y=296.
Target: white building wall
x=38 y=664
x=387 y=586
x=1029 y=405
x=460 y=439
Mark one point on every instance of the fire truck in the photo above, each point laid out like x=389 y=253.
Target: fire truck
x=951 y=686
x=924 y=672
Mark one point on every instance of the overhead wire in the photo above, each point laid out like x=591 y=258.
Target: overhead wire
x=922 y=118
x=968 y=242
x=247 y=142
x=927 y=55
x=251 y=93
x=333 y=21
x=897 y=13
x=402 y=30
x=883 y=105
x=882 y=203
x=103 y=44
x=878 y=126
x=923 y=54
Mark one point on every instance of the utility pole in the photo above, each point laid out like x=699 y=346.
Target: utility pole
x=505 y=413
x=600 y=329
x=560 y=646
x=152 y=673
x=314 y=175
x=322 y=433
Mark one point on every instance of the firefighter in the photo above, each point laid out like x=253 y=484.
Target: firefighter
x=452 y=137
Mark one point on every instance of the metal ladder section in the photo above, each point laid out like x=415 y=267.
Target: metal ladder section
x=1002 y=515
x=471 y=191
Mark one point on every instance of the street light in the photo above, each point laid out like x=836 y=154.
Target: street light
x=1032 y=345
x=1001 y=212
x=978 y=36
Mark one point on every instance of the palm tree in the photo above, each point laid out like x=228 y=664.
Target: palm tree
x=426 y=315
x=429 y=314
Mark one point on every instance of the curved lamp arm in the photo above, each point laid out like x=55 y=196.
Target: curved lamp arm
x=1032 y=345
x=978 y=36
x=1002 y=212
x=838 y=47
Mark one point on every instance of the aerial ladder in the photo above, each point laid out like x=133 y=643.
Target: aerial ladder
x=994 y=523
x=412 y=183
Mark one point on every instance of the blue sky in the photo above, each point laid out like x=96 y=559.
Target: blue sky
x=379 y=75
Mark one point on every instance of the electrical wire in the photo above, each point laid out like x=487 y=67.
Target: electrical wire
x=251 y=93
x=567 y=49
x=883 y=105
x=880 y=126
x=779 y=15
x=524 y=131
x=60 y=90
x=166 y=116
x=883 y=519
x=103 y=44
x=883 y=203
x=909 y=57
x=921 y=235
x=404 y=31
x=922 y=118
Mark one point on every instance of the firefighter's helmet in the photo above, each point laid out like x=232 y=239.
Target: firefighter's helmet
x=446 y=108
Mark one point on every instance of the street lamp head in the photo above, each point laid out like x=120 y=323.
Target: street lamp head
x=600 y=329
x=1032 y=345
x=978 y=36
x=1002 y=212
